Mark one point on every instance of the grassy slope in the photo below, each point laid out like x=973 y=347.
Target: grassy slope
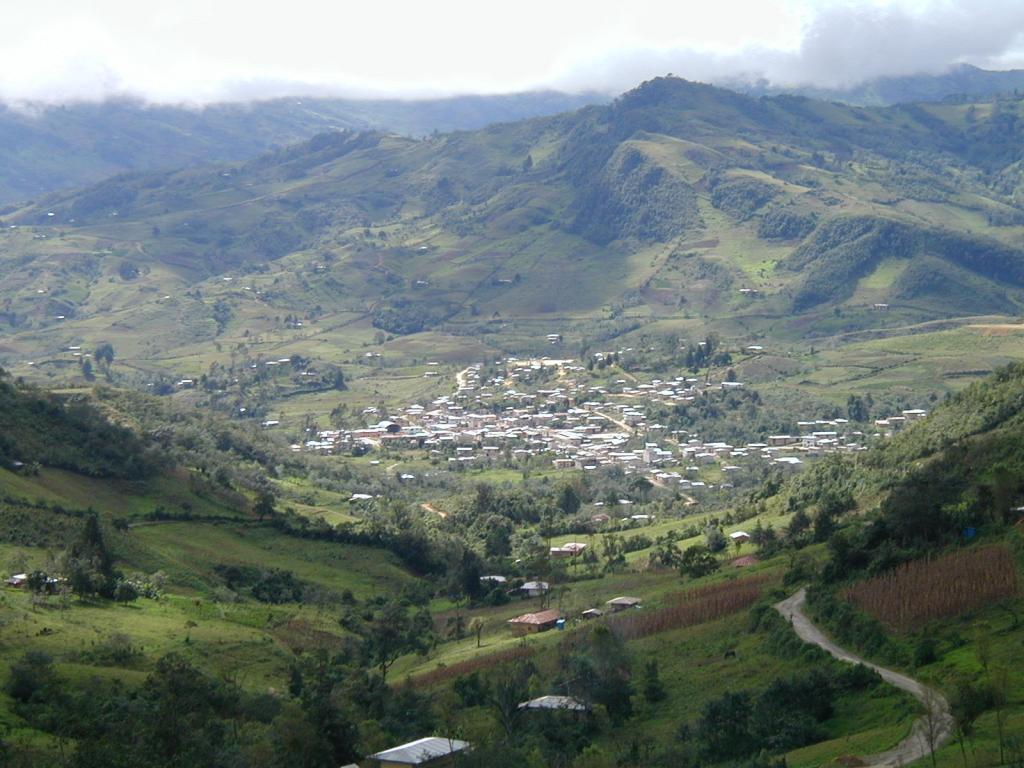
x=693 y=669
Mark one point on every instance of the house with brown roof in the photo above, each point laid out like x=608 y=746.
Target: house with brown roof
x=532 y=623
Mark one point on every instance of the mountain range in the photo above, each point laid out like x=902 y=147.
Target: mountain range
x=676 y=209
x=46 y=147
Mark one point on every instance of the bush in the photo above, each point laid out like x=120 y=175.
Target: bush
x=30 y=676
x=698 y=561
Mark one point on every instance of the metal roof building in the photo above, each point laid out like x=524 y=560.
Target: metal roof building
x=432 y=750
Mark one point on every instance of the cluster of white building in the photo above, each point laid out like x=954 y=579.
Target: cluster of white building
x=582 y=426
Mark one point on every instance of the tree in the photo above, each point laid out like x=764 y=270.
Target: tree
x=265 y=504
x=88 y=563
x=476 y=626
x=125 y=592
x=456 y=625
x=601 y=666
x=715 y=539
x=510 y=689
x=968 y=702
x=1000 y=681
x=698 y=561
x=568 y=500
x=857 y=409
x=394 y=632
x=764 y=537
x=723 y=727
x=653 y=689
x=798 y=524
x=666 y=553
x=464 y=577
x=104 y=354
x=641 y=486
x=934 y=720
x=296 y=742
x=38 y=582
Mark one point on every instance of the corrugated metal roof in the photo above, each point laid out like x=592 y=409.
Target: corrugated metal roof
x=555 y=702
x=422 y=750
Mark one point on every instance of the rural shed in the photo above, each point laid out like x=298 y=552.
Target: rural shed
x=534 y=588
x=617 y=604
x=530 y=623
x=432 y=751
x=564 y=703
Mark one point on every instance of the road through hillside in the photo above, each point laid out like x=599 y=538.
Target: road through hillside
x=934 y=728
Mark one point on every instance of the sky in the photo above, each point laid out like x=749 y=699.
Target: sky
x=202 y=51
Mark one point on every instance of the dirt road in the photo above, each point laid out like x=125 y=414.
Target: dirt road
x=431 y=508
x=935 y=728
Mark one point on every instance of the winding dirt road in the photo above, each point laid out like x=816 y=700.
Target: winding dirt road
x=934 y=728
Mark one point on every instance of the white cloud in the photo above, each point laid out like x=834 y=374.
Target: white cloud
x=206 y=50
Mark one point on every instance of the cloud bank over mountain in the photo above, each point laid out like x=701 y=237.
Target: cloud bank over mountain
x=201 y=52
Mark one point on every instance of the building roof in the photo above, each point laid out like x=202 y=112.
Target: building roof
x=542 y=617
x=555 y=702
x=421 y=751
x=532 y=585
x=625 y=600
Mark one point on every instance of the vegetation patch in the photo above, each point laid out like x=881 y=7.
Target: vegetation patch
x=918 y=592
x=634 y=197
x=845 y=249
x=741 y=198
x=694 y=606
x=786 y=224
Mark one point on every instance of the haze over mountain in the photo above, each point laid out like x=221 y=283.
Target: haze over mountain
x=46 y=147
x=962 y=81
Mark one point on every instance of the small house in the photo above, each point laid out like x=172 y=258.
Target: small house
x=569 y=549
x=739 y=537
x=18 y=580
x=534 y=589
x=532 y=623
x=592 y=613
x=433 y=751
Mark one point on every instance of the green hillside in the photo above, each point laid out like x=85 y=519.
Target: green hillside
x=678 y=210
x=377 y=630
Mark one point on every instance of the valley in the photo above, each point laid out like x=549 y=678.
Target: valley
x=312 y=453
